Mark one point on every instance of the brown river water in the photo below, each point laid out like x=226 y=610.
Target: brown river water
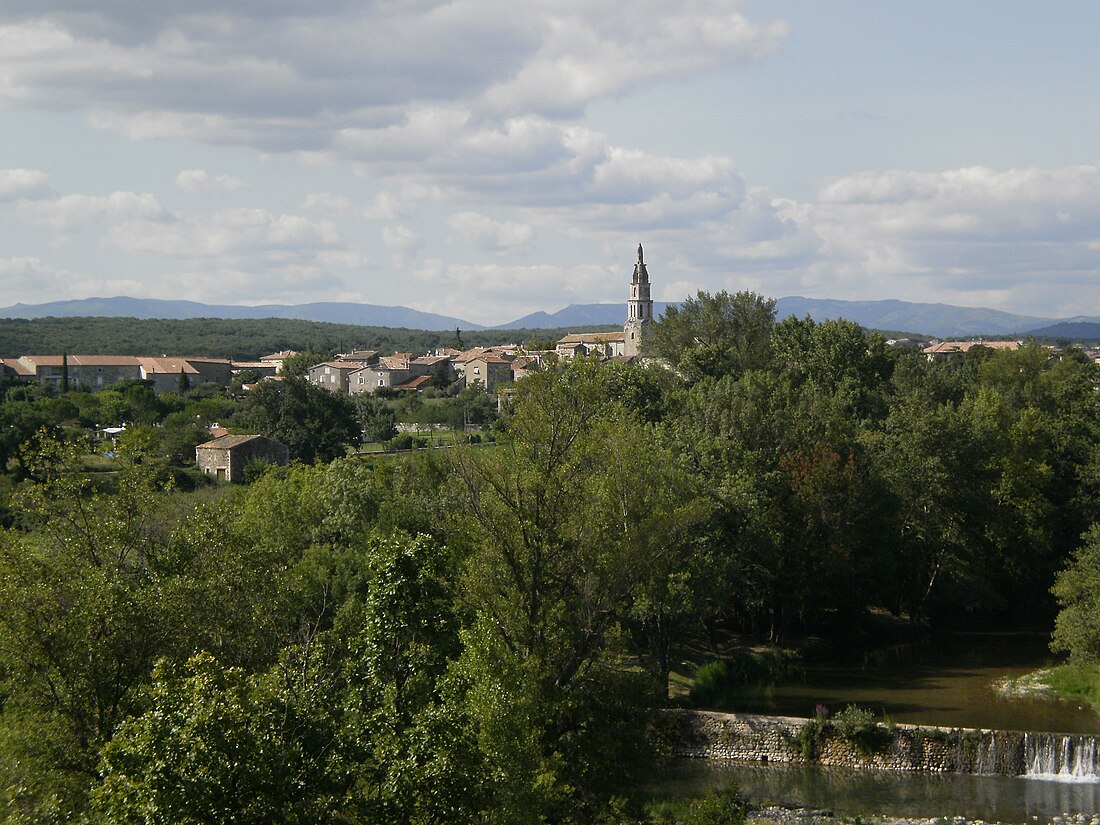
x=949 y=682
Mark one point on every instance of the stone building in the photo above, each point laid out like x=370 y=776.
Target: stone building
x=488 y=371
x=639 y=309
x=227 y=456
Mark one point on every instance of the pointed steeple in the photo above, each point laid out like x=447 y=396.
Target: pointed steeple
x=641 y=276
x=639 y=309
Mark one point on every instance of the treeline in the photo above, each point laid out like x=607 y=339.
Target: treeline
x=241 y=339
x=476 y=635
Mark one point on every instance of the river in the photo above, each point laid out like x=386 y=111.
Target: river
x=947 y=681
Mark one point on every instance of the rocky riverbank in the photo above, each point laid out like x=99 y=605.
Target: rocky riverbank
x=774 y=815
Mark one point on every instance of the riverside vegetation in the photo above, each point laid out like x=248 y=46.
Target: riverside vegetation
x=479 y=635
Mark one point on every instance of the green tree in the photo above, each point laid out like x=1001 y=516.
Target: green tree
x=314 y=423
x=354 y=724
x=715 y=335
x=568 y=521
x=297 y=365
x=1077 y=589
x=82 y=621
x=376 y=418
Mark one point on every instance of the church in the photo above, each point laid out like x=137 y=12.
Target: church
x=628 y=343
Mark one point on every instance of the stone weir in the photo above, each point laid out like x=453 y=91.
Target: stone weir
x=749 y=737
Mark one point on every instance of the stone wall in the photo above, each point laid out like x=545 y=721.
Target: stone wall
x=749 y=737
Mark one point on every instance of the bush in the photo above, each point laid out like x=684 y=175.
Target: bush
x=725 y=806
x=857 y=726
x=402 y=441
x=813 y=735
x=719 y=683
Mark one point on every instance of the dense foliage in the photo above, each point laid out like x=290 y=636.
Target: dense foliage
x=476 y=634
x=240 y=339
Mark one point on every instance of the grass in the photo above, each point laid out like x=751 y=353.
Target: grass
x=1074 y=681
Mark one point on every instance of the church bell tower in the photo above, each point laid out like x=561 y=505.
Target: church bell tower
x=639 y=309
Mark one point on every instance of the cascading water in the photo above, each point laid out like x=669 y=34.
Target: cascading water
x=1063 y=757
x=987 y=754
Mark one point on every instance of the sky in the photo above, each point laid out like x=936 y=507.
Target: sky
x=486 y=158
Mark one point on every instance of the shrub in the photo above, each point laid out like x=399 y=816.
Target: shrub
x=813 y=735
x=725 y=806
x=403 y=441
x=718 y=683
x=857 y=726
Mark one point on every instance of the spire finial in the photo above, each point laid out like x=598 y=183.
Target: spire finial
x=639 y=253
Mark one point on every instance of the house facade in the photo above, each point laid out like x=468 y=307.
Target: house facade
x=603 y=345
x=334 y=375
x=227 y=456
x=488 y=371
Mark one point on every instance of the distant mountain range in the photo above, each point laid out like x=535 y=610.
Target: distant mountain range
x=367 y=315
x=939 y=320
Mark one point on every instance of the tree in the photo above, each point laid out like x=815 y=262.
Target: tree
x=376 y=418
x=353 y=724
x=568 y=521
x=297 y=365
x=82 y=617
x=315 y=424
x=1077 y=589
x=715 y=335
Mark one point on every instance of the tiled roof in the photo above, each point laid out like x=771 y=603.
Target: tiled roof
x=491 y=359
x=592 y=337
x=80 y=360
x=160 y=366
x=278 y=356
x=227 y=442
x=413 y=383
x=469 y=355
x=964 y=346
x=15 y=366
x=358 y=355
x=431 y=360
x=340 y=365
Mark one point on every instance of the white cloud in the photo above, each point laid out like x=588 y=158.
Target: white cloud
x=485 y=233
x=228 y=235
x=391 y=79
x=73 y=212
x=201 y=181
x=27 y=277
x=17 y=184
x=385 y=207
x=325 y=203
x=402 y=242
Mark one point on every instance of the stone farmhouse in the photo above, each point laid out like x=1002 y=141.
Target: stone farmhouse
x=227 y=456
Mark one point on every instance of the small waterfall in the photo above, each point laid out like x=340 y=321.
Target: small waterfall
x=1063 y=757
x=987 y=754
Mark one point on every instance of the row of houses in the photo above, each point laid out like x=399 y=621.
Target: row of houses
x=97 y=371
x=368 y=371
x=353 y=372
x=164 y=373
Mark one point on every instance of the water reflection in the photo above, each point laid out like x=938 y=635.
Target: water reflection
x=947 y=681
x=992 y=798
